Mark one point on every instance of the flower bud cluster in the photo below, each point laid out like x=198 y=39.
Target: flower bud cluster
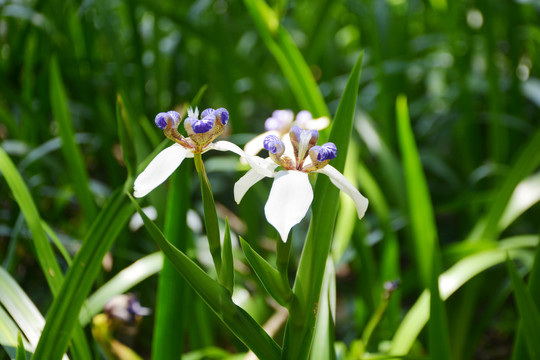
x=201 y=131
x=304 y=144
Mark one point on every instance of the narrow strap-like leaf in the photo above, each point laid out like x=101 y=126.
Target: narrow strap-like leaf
x=72 y=153
x=227 y=269
x=21 y=353
x=421 y=215
x=528 y=312
x=270 y=278
x=210 y=215
x=215 y=296
x=307 y=287
x=64 y=312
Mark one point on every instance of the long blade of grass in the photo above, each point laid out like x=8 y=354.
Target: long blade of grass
x=8 y=329
x=439 y=341
x=307 y=287
x=44 y=251
x=289 y=58
x=520 y=347
x=126 y=136
x=72 y=153
x=323 y=339
x=20 y=307
x=172 y=301
x=524 y=196
x=210 y=214
x=227 y=270
x=215 y=296
x=270 y=277
x=120 y=283
x=528 y=311
x=64 y=311
x=21 y=353
x=424 y=233
x=449 y=282
x=526 y=162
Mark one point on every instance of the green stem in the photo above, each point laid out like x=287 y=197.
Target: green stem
x=210 y=214
x=283 y=250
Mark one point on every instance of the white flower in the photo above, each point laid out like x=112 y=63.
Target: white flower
x=280 y=124
x=291 y=193
x=201 y=134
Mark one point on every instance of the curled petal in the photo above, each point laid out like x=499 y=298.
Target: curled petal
x=262 y=166
x=318 y=124
x=159 y=169
x=289 y=200
x=255 y=145
x=344 y=185
x=226 y=146
x=245 y=183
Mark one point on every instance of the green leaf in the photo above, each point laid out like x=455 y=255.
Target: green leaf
x=288 y=57
x=424 y=233
x=528 y=311
x=43 y=248
x=122 y=282
x=72 y=153
x=449 y=282
x=210 y=214
x=172 y=299
x=227 y=269
x=270 y=278
x=8 y=329
x=126 y=136
x=526 y=162
x=64 y=311
x=439 y=341
x=44 y=251
x=520 y=347
x=21 y=353
x=307 y=287
x=215 y=296
x=524 y=196
x=20 y=307
x=324 y=336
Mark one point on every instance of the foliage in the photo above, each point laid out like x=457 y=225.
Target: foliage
x=438 y=130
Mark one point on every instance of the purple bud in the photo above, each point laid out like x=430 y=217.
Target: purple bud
x=222 y=115
x=201 y=126
x=273 y=144
x=175 y=117
x=162 y=119
x=207 y=112
x=326 y=151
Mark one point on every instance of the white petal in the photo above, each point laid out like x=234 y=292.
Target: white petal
x=344 y=185
x=245 y=183
x=226 y=146
x=255 y=145
x=159 y=169
x=289 y=201
x=318 y=124
x=289 y=150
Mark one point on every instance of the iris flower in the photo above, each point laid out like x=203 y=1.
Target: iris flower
x=291 y=194
x=280 y=124
x=201 y=132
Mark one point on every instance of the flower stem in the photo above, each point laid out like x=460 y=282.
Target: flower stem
x=283 y=250
x=210 y=214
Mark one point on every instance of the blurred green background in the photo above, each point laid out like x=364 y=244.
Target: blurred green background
x=468 y=69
